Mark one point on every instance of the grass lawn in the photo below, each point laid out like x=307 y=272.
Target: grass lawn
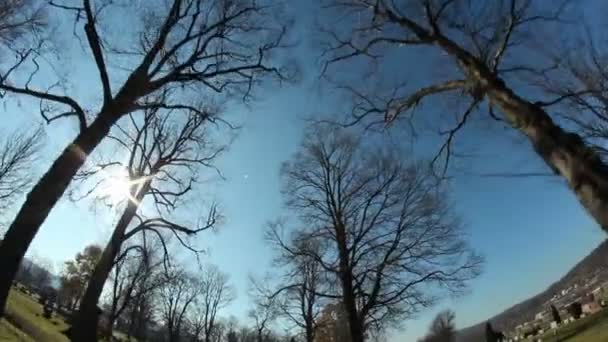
x=25 y=315
x=9 y=333
x=592 y=328
x=598 y=332
x=24 y=322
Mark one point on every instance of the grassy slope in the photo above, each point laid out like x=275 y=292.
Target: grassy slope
x=25 y=322
x=25 y=313
x=589 y=329
x=598 y=332
x=9 y=333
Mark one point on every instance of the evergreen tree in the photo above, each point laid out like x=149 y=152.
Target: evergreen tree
x=555 y=314
x=491 y=335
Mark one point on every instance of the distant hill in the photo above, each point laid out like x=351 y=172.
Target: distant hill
x=593 y=267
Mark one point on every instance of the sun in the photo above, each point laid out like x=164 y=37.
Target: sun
x=115 y=187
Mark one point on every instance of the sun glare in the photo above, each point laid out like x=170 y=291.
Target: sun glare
x=116 y=187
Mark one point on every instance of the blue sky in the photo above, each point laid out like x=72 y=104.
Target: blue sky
x=530 y=230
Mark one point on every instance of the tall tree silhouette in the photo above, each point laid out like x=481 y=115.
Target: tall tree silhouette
x=135 y=274
x=442 y=328
x=18 y=152
x=191 y=47
x=300 y=286
x=555 y=314
x=384 y=226
x=214 y=295
x=176 y=297
x=166 y=153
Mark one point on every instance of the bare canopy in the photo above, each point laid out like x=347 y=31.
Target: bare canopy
x=470 y=49
x=388 y=241
x=18 y=19
x=18 y=152
x=166 y=152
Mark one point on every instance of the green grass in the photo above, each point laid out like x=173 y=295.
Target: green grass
x=592 y=328
x=25 y=314
x=11 y=334
x=597 y=333
x=25 y=322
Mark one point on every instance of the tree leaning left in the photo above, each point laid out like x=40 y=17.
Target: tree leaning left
x=188 y=45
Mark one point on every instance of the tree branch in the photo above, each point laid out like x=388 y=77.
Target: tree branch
x=64 y=100
x=96 y=48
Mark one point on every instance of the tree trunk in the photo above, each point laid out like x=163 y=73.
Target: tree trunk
x=137 y=321
x=85 y=324
x=354 y=323
x=112 y=317
x=564 y=152
x=174 y=333
x=310 y=332
x=73 y=305
x=110 y=331
x=132 y=318
x=348 y=294
x=43 y=197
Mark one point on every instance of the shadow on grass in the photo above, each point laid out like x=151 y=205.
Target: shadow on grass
x=29 y=328
x=26 y=314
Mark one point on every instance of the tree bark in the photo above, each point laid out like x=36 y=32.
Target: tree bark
x=348 y=294
x=564 y=152
x=85 y=325
x=310 y=334
x=43 y=197
x=174 y=332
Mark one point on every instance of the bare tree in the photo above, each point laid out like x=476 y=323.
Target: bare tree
x=299 y=292
x=219 y=332
x=231 y=327
x=18 y=152
x=264 y=313
x=442 y=328
x=123 y=280
x=579 y=84
x=480 y=47
x=387 y=234
x=133 y=277
x=190 y=46
x=140 y=312
x=19 y=18
x=176 y=297
x=166 y=152
x=214 y=294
